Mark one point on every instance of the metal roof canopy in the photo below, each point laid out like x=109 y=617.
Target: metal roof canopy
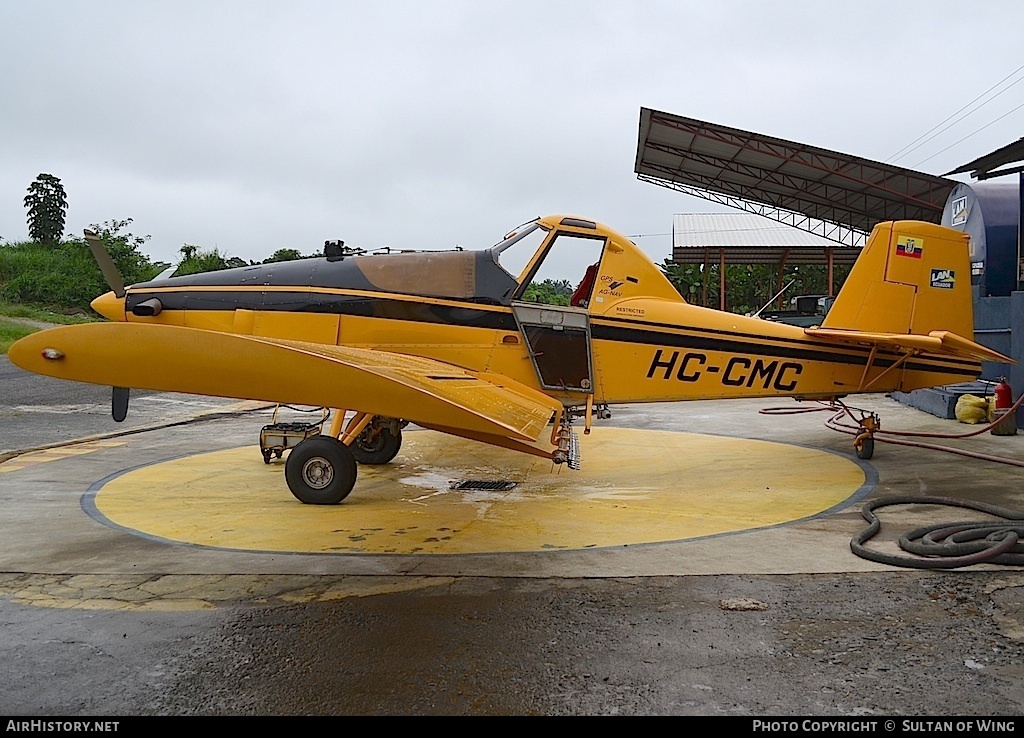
x=742 y=238
x=983 y=166
x=835 y=195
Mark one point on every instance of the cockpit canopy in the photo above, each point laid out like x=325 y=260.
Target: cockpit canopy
x=551 y=260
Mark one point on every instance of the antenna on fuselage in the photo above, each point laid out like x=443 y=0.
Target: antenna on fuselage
x=334 y=250
x=775 y=297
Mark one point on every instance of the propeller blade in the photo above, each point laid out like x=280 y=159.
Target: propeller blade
x=119 y=403
x=106 y=264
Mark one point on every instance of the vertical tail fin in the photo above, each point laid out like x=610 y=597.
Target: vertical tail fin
x=911 y=278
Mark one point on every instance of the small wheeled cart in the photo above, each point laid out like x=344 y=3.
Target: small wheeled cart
x=276 y=438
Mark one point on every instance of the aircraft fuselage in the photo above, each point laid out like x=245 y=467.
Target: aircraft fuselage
x=641 y=348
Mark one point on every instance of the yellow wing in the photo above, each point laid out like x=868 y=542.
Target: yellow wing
x=176 y=359
x=936 y=342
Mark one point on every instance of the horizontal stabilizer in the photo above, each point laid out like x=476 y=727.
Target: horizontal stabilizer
x=176 y=359
x=936 y=342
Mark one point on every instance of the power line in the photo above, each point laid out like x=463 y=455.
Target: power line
x=907 y=149
x=960 y=119
x=970 y=134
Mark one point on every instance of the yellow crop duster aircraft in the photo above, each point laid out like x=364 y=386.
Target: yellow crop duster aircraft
x=458 y=342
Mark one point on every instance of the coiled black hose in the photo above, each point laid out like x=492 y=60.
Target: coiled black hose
x=947 y=545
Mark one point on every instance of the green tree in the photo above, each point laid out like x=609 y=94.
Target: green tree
x=195 y=260
x=66 y=276
x=549 y=292
x=750 y=286
x=47 y=204
x=284 y=255
x=689 y=280
x=124 y=248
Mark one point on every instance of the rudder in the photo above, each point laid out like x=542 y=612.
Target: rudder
x=911 y=278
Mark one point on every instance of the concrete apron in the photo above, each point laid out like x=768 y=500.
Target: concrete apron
x=186 y=517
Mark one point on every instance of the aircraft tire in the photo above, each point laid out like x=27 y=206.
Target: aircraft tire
x=320 y=471
x=379 y=449
x=866 y=449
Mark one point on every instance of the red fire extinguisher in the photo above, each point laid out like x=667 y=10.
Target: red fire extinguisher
x=1004 y=395
x=1007 y=426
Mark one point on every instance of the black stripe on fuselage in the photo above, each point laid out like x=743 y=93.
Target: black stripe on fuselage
x=714 y=343
x=829 y=347
x=469 y=315
x=418 y=311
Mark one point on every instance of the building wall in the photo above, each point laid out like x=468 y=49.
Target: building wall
x=1017 y=349
x=999 y=325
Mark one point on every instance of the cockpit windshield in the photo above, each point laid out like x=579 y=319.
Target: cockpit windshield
x=563 y=275
x=514 y=253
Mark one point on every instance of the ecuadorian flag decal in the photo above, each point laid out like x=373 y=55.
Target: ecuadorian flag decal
x=912 y=246
x=944 y=279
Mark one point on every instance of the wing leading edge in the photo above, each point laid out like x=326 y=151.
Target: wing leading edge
x=176 y=359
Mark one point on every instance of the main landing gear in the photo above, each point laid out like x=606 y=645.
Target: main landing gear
x=322 y=470
x=379 y=442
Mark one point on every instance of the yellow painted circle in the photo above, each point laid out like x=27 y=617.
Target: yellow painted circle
x=635 y=487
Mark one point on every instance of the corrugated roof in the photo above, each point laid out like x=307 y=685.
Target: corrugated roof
x=730 y=165
x=740 y=229
x=983 y=166
x=745 y=238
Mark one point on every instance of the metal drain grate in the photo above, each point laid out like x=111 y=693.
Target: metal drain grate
x=485 y=485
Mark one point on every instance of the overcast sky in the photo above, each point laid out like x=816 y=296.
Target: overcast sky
x=252 y=126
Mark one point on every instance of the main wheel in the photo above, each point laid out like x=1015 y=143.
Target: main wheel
x=379 y=448
x=866 y=449
x=320 y=471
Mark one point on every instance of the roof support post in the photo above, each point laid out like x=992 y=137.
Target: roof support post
x=704 y=280
x=721 y=279
x=831 y=273
x=782 y=276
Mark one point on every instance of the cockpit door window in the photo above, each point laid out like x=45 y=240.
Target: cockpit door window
x=558 y=339
x=566 y=273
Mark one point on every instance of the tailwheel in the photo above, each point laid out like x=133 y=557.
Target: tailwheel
x=320 y=471
x=379 y=442
x=864 y=443
x=865 y=447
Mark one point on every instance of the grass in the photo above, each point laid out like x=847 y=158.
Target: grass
x=65 y=275
x=13 y=310
x=11 y=332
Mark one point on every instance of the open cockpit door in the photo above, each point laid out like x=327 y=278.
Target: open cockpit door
x=558 y=339
x=551 y=306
